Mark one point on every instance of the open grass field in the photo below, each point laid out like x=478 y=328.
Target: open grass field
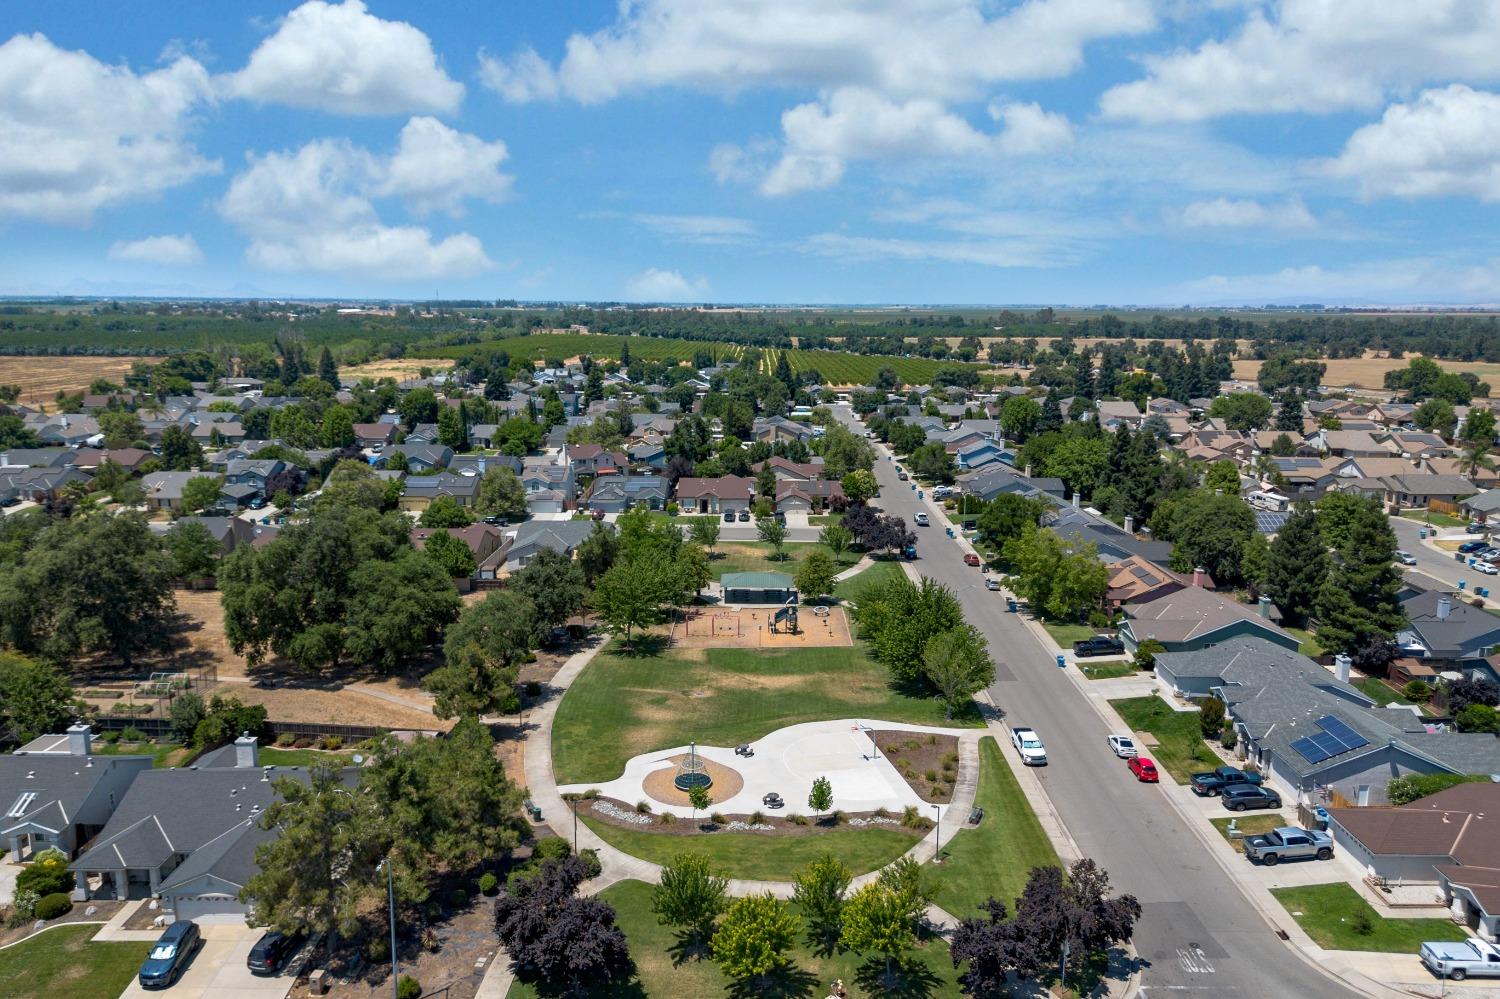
x=62 y=962
x=1369 y=371
x=1331 y=916
x=1180 y=748
x=662 y=969
x=995 y=858
x=401 y=369
x=41 y=378
x=622 y=706
x=876 y=573
x=756 y=556
x=760 y=856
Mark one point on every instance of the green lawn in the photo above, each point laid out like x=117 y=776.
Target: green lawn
x=756 y=556
x=621 y=706
x=659 y=972
x=1329 y=913
x=824 y=519
x=996 y=857
x=163 y=754
x=877 y=572
x=1066 y=634
x=1182 y=751
x=62 y=962
x=1382 y=692
x=1435 y=519
x=1107 y=670
x=1310 y=646
x=1249 y=825
x=760 y=857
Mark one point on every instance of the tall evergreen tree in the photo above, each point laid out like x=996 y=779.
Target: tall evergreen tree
x=1358 y=603
x=1289 y=414
x=327 y=370
x=1297 y=564
x=1051 y=418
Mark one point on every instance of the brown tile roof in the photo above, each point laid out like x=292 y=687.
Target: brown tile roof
x=1462 y=822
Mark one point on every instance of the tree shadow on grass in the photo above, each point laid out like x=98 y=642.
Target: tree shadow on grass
x=909 y=978
x=688 y=946
x=642 y=646
x=786 y=982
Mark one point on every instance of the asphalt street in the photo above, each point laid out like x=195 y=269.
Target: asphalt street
x=1199 y=935
x=1434 y=564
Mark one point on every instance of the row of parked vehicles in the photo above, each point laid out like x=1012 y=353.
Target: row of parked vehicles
x=173 y=951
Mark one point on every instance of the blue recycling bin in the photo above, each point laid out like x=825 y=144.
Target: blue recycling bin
x=919 y=494
x=1462 y=583
x=1061 y=662
x=1320 y=819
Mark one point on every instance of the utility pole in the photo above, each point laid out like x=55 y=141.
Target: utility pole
x=937 y=846
x=390 y=888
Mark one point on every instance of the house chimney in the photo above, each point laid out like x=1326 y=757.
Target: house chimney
x=80 y=739
x=1200 y=576
x=1444 y=608
x=1027 y=472
x=1265 y=607
x=1341 y=668
x=1129 y=524
x=1075 y=499
x=246 y=751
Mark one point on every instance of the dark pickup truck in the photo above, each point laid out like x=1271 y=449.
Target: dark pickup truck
x=1215 y=781
x=1099 y=645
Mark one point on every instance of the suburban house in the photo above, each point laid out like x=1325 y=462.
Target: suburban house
x=550 y=487
x=1113 y=544
x=1116 y=414
x=562 y=536
x=1419 y=490
x=1308 y=728
x=1307 y=478
x=421 y=490
x=229 y=532
x=1135 y=580
x=57 y=794
x=91 y=459
x=374 y=434
x=197 y=859
x=977 y=454
x=419 y=457
x=164 y=489
x=647 y=454
x=484 y=540
x=1192 y=619
x=617 y=493
x=989 y=482
x=23 y=483
x=778 y=428
x=591 y=459
x=1482 y=506
x=1445 y=629
x=816 y=494
x=422 y=433
x=1352 y=443
x=728 y=492
x=255 y=474
x=787 y=470
x=1448 y=839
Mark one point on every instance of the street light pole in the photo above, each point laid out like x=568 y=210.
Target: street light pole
x=390 y=887
x=937 y=846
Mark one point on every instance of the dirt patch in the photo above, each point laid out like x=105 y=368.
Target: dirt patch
x=765 y=823
x=41 y=378
x=658 y=783
x=399 y=369
x=928 y=762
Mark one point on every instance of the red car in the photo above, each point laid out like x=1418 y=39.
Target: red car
x=971 y=559
x=1144 y=770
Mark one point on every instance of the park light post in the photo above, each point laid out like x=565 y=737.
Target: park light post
x=937 y=846
x=390 y=890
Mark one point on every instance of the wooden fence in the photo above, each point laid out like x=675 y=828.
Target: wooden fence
x=158 y=727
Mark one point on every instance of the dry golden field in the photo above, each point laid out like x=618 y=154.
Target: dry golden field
x=41 y=378
x=1369 y=371
x=400 y=369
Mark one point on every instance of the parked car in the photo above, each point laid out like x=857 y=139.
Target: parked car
x=1033 y=753
x=728 y=516
x=170 y=955
x=1214 y=781
x=919 y=518
x=1242 y=796
x=1474 y=528
x=494 y=521
x=257 y=504
x=971 y=559
x=272 y=951
x=1123 y=746
x=1469 y=547
x=1288 y=843
x=991 y=583
x=1099 y=645
x=1406 y=558
x=902 y=475
x=744 y=516
x=1144 y=770
x=1485 y=568
x=1458 y=961
x=597 y=513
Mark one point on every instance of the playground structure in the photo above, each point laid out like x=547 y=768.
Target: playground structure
x=756 y=627
x=692 y=772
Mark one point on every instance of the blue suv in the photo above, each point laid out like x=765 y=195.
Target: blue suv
x=170 y=955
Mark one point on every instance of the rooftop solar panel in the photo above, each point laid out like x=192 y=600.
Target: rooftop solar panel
x=1311 y=751
x=1342 y=733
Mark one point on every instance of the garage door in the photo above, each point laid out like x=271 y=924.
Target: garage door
x=198 y=906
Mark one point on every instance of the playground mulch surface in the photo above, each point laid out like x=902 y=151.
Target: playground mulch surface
x=750 y=628
x=658 y=783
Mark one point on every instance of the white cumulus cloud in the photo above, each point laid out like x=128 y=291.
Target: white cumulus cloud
x=175 y=251
x=343 y=59
x=436 y=168
x=1247 y=213
x=1445 y=142
x=80 y=135
x=1316 y=56
x=314 y=209
x=1408 y=280
x=656 y=285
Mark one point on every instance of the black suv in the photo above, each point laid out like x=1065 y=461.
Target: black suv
x=1241 y=797
x=1099 y=645
x=271 y=952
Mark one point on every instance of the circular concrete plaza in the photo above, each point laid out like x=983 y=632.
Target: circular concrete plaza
x=659 y=786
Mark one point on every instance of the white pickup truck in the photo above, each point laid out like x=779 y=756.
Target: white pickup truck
x=1033 y=753
x=1458 y=961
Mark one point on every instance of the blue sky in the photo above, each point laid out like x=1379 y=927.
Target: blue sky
x=927 y=151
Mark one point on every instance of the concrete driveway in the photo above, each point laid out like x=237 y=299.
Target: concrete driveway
x=218 y=970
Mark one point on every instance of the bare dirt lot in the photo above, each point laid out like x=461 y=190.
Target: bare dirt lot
x=41 y=378
x=400 y=369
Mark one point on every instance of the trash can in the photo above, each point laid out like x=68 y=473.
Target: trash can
x=1320 y=819
x=1061 y=661
x=1010 y=605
